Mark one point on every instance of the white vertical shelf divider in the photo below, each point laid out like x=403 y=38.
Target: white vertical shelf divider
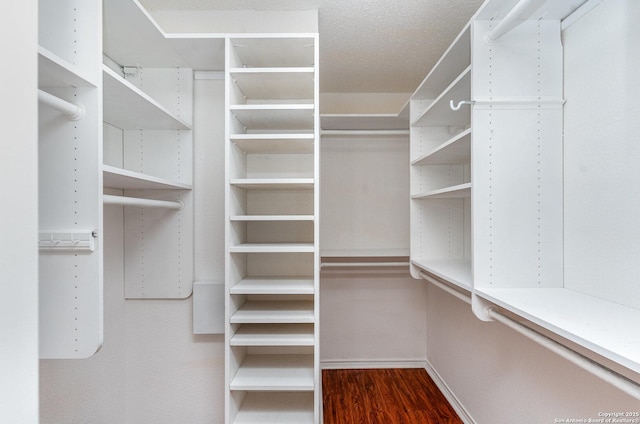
x=272 y=233
x=70 y=179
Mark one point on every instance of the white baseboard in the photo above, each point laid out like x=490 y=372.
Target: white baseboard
x=449 y=395
x=367 y=364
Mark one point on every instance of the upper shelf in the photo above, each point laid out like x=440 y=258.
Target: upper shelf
x=364 y=253
x=53 y=71
x=126 y=180
x=274 y=83
x=275 y=117
x=384 y=123
x=272 y=51
x=273 y=183
x=460 y=191
x=132 y=38
x=455 y=60
x=455 y=151
x=381 y=121
x=439 y=112
x=274 y=143
x=129 y=108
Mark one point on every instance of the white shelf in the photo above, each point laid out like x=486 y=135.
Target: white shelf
x=455 y=151
x=129 y=108
x=126 y=180
x=273 y=248
x=274 y=83
x=273 y=335
x=439 y=112
x=53 y=71
x=386 y=121
x=364 y=253
x=460 y=191
x=274 y=51
x=273 y=285
x=455 y=60
x=276 y=117
x=274 y=143
x=273 y=183
x=275 y=373
x=276 y=408
x=258 y=218
x=455 y=271
x=606 y=328
x=274 y=312
x=136 y=40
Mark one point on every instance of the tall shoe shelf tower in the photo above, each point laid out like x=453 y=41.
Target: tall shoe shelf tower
x=272 y=242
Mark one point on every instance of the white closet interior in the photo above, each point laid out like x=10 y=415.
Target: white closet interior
x=521 y=192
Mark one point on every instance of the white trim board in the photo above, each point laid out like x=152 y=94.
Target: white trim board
x=449 y=395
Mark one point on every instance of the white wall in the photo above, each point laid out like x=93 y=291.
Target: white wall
x=601 y=150
x=152 y=369
x=19 y=215
x=372 y=320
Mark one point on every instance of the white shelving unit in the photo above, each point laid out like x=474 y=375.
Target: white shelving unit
x=510 y=203
x=148 y=94
x=70 y=180
x=440 y=174
x=272 y=235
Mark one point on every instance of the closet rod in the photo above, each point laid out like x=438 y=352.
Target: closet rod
x=618 y=380
x=363 y=132
x=520 y=12
x=362 y=264
x=74 y=112
x=608 y=375
x=442 y=286
x=109 y=199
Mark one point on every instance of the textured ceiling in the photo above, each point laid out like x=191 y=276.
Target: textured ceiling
x=375 y=46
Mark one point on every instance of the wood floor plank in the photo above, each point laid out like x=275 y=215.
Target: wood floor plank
x=384 y=396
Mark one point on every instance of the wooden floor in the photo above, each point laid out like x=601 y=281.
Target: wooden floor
x=384 y=396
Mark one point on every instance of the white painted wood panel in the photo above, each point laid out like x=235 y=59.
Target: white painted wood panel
x=275 y=373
